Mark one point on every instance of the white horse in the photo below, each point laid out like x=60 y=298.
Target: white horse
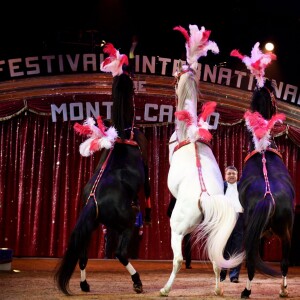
x=195 y=180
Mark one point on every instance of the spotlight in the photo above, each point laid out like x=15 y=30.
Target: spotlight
x=269 y=46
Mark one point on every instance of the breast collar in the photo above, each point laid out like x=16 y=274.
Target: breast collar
x=256 y=151
x=187 y=141
x=127 y=142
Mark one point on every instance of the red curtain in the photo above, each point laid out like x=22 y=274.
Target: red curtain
x=42 y=175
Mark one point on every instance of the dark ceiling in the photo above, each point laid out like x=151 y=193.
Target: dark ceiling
x=30 y=26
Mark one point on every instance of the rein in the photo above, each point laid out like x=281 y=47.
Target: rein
x=201 y=180
x=265 y=172
x=198 y=163
x=268 y=189
x=93 y=190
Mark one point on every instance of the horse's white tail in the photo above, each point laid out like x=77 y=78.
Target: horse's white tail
x=215 y=229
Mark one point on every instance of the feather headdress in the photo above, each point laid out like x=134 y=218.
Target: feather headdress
x=261 y=128
x=257 y=63
x=197 y=129
x=98 y=136
x=114 y=62
x=197 y=44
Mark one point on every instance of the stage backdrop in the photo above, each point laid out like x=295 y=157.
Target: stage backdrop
x=42 y=173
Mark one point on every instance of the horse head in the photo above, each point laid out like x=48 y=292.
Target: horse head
x=187 y=89
x=263 y=116
x=123 y=105
x=263 y=100
x=122 y=90
x=197 y=45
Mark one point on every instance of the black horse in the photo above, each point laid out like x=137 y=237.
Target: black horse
x=267 y=194
x=111 y=194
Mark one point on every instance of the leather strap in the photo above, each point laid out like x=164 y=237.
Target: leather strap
x=256 y=151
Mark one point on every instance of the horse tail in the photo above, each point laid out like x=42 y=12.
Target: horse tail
x=219 y=219
x=77 y=247
x=256 y=224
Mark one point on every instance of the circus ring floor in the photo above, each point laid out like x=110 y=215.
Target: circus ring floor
x=32 y=278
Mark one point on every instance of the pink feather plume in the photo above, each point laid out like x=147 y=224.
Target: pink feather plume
x=94 y=146
x=114 y=62
x=184 y=116
x=205 y=36
x=207 y=109
x=205 y=134
x=197 y=44
x=110 y=50
x=101 y=125
x=256 y=63
x=237 y=54
x=276 y=118
x=259 y=126
x=183 y=31
x=123 y=60
x=83 y=129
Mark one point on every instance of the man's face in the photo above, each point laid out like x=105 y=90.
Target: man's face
x=231 y=176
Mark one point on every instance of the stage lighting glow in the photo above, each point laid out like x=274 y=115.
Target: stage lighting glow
x=269 y=46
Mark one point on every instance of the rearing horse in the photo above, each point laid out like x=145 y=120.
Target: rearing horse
x=194 y=177
x=114 y=187
x=266 y=190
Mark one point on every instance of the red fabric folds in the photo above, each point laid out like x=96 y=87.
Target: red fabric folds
x=42 y=175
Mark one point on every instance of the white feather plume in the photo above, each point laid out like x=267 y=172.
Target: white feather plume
x=84 y=147
x=114 y=62
x=198 y=46
x=257 y=63
x=98 y=139
x=108 y=141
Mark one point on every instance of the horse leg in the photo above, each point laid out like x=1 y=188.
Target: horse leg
x=251 y=271
x=121 y=254
x=85 y=287
x=284 y=265
x=218 y=289
x=176 y=243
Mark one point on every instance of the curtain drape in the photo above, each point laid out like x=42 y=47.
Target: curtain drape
x=42 y=176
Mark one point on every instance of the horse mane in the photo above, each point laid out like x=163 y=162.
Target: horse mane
x=187 y=89
x=123 y=106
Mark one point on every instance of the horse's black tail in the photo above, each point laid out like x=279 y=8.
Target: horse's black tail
x=77 y=247
x=256 y=225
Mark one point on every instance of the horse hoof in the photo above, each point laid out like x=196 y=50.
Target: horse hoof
x=164 y=292
x=138 y=288
x=283 y=293
x=137 y=283
x=219 y=292
x=245 y=294
x=85 y=287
